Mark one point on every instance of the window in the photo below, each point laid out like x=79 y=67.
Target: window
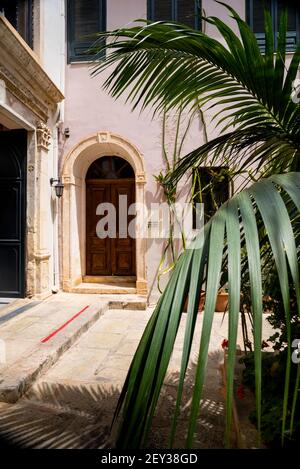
x=183 y=11
x=211 y=188
x=20 y=14
x=255 y=18
x=85 y=18
x=110 y=167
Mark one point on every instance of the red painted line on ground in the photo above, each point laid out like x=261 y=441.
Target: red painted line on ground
x=46 y=339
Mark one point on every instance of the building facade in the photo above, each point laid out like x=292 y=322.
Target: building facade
x=57 y=122
x=31 y=96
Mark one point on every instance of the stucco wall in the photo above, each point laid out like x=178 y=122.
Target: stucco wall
x=88 y=109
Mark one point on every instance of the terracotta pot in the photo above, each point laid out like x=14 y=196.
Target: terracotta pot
x=201 y=302
x=222 y=302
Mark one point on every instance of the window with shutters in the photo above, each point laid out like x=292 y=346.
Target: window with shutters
x=255 y=18
x=85 y=18
x=183 y=11
x=211 y=188
x=20 y=14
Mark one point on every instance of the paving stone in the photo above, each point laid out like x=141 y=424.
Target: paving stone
x=112 y=376
x=36 y=331
x=15 y=349
x=112 y=326
x=16 y=325
x=127 y=348
x=114 y=362
x=100 y=340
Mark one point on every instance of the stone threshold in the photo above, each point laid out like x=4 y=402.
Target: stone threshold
x=17 y=378
x=105 y=288
x=110 y=280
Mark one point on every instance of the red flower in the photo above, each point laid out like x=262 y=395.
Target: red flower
x=224 y=344
x=240 y=393
x=264 y=344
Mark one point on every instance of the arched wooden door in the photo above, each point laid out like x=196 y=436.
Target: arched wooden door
x=107 y=180
x=13 y=149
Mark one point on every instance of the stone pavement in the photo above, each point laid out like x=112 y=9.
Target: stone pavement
x=71 y=404
x=8 y=303
x=23 y=354
x=103 y=355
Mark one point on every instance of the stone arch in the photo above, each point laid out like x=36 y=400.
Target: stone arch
x=74 y=170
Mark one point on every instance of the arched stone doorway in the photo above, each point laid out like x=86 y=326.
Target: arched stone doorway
x=75 y=169
x=110 y=191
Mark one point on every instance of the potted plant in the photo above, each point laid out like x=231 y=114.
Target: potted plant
x=222 y=300
x=201 y=302
x=221 y=303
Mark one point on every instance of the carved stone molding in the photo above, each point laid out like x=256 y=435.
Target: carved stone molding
x=23 y=74
x=103 y=137
x=41 y=256
x=141 y=178
x=43 y=134
x=103 y=143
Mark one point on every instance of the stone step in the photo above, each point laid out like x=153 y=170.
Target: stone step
x=19 y=376
x=111 y=280
x=105 y=288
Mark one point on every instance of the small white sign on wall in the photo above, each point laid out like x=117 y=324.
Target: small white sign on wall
x=2 y=91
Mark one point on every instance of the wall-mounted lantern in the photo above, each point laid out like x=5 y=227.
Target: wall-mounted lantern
x=58 y=186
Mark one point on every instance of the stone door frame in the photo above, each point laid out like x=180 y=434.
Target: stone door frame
x=73 y=227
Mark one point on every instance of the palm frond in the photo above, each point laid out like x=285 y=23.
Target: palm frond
x=233 y=226
x=167 y=65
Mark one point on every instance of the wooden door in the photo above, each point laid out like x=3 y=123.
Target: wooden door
x=109 y=255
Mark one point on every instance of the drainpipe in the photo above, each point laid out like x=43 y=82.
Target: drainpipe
x=58 y=123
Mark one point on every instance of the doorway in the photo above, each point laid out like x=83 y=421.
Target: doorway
x=13 y=150
x=109 y=180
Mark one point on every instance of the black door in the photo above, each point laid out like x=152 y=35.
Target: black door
x=13 y=148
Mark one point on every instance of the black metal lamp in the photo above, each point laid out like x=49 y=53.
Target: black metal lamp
x=58 y=186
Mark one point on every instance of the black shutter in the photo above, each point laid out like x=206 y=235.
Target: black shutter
x=25 y=20
x=9 y=10
x=20 y=14
x=85 y=19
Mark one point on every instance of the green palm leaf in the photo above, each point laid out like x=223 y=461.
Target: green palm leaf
x=167 y=65
x=233 y=226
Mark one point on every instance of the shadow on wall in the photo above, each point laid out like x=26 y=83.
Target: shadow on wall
x=64 y=416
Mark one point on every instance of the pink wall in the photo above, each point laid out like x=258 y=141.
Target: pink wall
x=89 y=109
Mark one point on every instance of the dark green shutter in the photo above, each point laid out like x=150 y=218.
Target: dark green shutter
x=292 y=35
x=183 y=11
x=211 y=196
x=160 y=10
x=188 y=12
x=85 y=19
x=255 y=18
